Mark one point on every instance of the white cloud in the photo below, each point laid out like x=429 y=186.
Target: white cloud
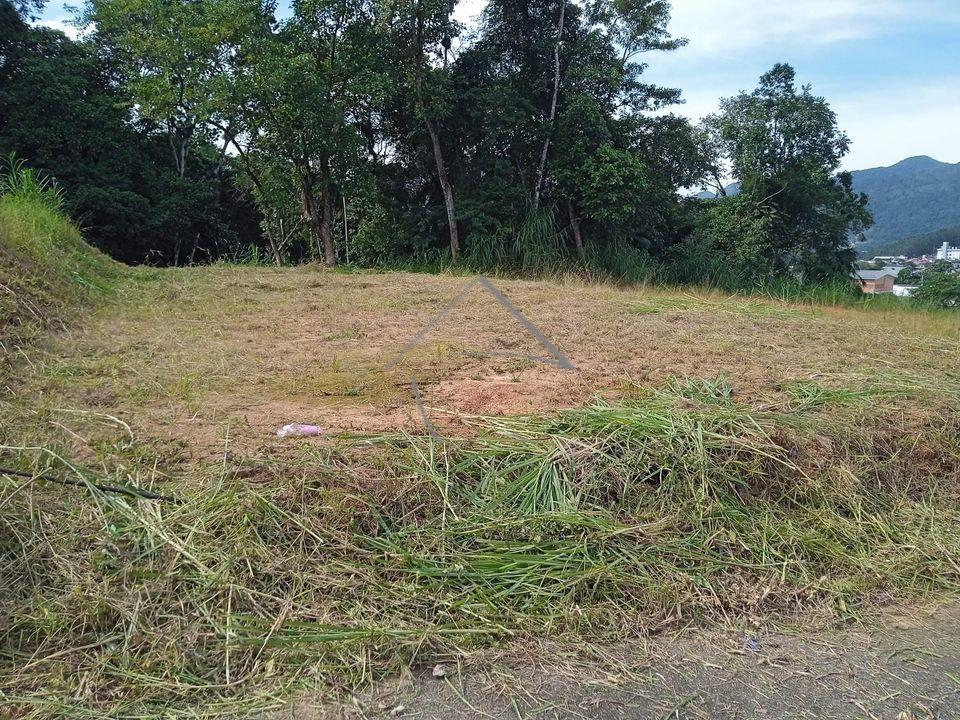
x=64 y=25
x=885 y=124
x=733 y=41
x=736 y=26
x=730 y=27
x=896 y=122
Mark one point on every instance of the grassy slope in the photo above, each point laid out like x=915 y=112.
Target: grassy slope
x=47 y=271
x=750 y=458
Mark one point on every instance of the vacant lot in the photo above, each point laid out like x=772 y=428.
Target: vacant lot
x=708 y=459
x=217 y=357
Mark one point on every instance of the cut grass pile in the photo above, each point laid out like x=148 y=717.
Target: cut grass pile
x=357 y=559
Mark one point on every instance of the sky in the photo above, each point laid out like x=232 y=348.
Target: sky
x=890 y=68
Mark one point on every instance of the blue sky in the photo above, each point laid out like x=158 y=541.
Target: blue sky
x=890 y=68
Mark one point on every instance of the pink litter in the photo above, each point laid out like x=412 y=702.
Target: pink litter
x=299 y=429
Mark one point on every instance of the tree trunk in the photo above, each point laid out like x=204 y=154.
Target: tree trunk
x=311 y=215
x=447 y=190
x=346 y=231
x=542 y=167
x=575 y=226
x=193 y=250
x=274 y=245
x=326 y=230
x=445 y=185
x=179 y=144
x=277 y=259
x=326 y=221
x=721 y=190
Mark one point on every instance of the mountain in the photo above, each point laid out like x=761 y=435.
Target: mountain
x=916 y=245
x=731 y=189
x=914 y=198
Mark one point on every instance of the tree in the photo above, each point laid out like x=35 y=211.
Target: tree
x=27 y=9
x=784 y=147
x=710 y=149
x=291 y=96
x=421 y=33
x=553 y=104
x=275 y=190
x=170 y=52
x=939 y=286
x=226 y=69
x=61 y=110
x=542 y=166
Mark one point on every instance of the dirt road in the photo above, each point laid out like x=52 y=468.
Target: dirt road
x=903 y=667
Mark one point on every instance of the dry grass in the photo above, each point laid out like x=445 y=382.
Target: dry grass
x=186 y=354
x=744 y=457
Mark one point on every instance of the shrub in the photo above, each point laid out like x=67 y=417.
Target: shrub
x=940 y=287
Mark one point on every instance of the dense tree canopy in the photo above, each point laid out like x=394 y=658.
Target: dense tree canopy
x=939 y=286
x=380 y=132
x=63 y=110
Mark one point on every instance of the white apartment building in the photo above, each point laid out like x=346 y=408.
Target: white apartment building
x=948 y=253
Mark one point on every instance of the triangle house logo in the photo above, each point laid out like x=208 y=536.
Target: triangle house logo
x=553 y=356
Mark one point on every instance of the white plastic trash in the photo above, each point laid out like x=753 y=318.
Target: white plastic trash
x=298 y=429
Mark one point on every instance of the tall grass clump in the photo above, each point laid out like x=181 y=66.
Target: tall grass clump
x=536 y=246
x=337 y=566
x=620 y=262
x=26 y=184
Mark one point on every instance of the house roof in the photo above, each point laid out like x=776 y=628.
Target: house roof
x=874 y=274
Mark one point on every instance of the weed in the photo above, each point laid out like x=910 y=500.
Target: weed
x=711 y=390
x=25 y=184
x=345 y=334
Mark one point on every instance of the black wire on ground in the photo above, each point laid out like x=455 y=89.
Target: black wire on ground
x=129 y=492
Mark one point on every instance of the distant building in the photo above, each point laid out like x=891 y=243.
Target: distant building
x=904 y=290
x=948 y=253
x=890 y=259
x=875 y=281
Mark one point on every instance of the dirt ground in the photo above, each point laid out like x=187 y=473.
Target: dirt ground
x=905 y=667
x=215 y=358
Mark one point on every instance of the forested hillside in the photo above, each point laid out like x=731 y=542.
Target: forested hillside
x=915 y=197
x=916 y=245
